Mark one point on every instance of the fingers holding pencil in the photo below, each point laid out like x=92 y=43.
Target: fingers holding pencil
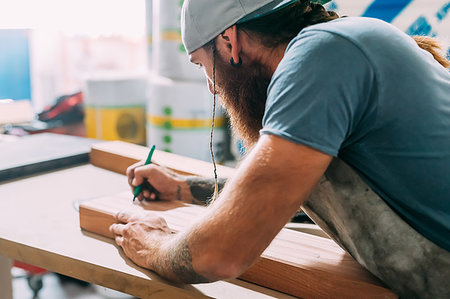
x=138 y=189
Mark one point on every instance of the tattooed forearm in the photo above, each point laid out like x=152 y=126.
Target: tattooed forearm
x=180 y=261
x=178 y=192
x=202 y=189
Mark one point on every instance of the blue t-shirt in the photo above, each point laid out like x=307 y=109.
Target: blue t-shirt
x=361 y=90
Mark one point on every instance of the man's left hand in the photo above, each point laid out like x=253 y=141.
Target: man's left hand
x=141 y=236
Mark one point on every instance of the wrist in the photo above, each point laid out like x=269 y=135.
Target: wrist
x=183 y=191
x=157 y=258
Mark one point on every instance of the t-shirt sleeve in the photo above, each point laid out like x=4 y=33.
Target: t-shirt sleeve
x=319 y=92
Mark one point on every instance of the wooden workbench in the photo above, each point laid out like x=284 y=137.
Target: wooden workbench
x=39 y=226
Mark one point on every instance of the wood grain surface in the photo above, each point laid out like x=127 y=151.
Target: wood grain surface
x=40 y=226
x=118 y=155
x=5 y=278
x=296 y=263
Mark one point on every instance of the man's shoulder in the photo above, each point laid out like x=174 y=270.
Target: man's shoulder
x=333 y=44
x=362 y=32
x=352 y=27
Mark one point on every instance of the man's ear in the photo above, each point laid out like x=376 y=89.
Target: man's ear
x=229 y=43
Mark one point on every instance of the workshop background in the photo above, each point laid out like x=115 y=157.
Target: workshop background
x=127 y=59
x=117 y=70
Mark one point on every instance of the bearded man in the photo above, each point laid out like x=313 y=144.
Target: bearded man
x=307 y=90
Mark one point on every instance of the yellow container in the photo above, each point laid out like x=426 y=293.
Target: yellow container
x=115 y=107
x=116 y=123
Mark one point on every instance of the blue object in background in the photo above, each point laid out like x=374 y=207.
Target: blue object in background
x=421 y=27
x=15 y=80
x=386 y=10
x=415 y=17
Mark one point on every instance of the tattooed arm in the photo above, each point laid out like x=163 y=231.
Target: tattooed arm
x=147 y=240
x=163 y=184
x=270 y=185
x=201 y=190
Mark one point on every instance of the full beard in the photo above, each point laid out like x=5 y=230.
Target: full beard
x=243 y=93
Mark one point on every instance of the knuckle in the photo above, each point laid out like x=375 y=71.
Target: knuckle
x=132 y=167
x=126 y=231
x=129 y=170
x=160 y=221
x=152 y=169
x=139 y=171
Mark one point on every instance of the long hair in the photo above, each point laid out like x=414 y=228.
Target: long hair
x=282 y=26
x=433 y=46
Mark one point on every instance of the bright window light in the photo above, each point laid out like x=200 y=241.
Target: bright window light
x=76 y=17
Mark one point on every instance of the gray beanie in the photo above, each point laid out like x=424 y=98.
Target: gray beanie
x=203 y=20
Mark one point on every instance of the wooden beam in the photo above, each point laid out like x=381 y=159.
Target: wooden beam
x=40 y=226
x=5 y=277
x=295 y=263
x=298 y=264
x=118 y=155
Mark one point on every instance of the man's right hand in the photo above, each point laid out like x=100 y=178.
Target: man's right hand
x=159 y=183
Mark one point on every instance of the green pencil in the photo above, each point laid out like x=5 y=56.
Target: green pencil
x=148 y=161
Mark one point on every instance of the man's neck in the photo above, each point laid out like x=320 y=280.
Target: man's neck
x=270 y=58
x=253 y=50
x=275 y=58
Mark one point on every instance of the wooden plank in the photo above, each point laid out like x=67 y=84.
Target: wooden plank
x=5 y=277
x=118 y=155
x=40 y=226
x=140 y=287
x=298 y=264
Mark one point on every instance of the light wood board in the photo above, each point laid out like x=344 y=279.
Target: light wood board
x=298 y=264
x=5 y=278
x=40 y=226
x=118 y=155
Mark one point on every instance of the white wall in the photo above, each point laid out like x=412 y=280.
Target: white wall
x=71 y=39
